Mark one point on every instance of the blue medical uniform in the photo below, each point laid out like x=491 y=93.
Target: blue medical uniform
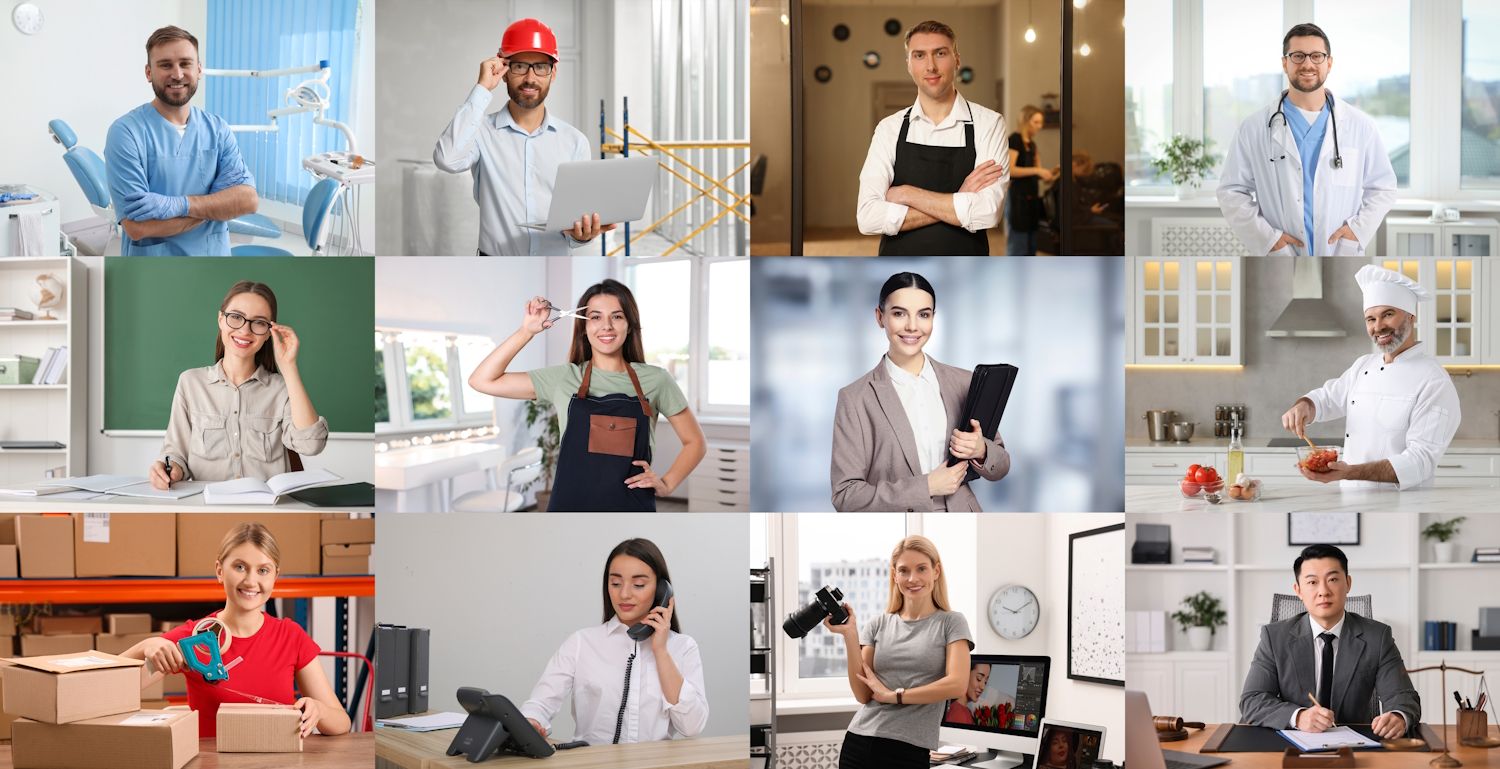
x=1309 y=138
x=145 y=153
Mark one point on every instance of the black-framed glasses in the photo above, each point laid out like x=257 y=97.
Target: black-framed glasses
x=541 y=68
x=1297 y=57
x=238 y=321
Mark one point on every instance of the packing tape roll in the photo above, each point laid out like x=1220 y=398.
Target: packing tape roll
x=220 y=631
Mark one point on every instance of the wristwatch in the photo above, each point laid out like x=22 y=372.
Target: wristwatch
x=900 y=692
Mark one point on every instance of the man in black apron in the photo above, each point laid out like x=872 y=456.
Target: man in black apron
x=605 y=435
x=935 y=198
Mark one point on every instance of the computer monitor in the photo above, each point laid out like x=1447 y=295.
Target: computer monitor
x=1001 y=710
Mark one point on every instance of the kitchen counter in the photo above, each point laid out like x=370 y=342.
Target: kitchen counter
x=1285 y=495
x=1258 y=445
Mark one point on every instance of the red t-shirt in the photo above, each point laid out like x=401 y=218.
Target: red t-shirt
x=267 y=667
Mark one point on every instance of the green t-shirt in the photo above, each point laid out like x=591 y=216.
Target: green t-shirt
x=557 y=384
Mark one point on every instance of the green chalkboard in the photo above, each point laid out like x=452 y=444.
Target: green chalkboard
x=159 y=320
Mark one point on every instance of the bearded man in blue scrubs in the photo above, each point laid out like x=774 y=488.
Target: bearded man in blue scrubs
x=175 y=171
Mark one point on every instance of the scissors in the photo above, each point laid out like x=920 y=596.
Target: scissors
x=561 y=313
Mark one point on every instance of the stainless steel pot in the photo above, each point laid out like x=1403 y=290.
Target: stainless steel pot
x=1156 y=423
x=1182 y=432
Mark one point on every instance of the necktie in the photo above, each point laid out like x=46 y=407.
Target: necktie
x=1325 y=677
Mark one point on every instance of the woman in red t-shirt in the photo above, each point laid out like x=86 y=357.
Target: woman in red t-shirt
x=265 y=655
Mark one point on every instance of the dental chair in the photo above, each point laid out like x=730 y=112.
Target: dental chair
x=316 y=212
x=89 y=171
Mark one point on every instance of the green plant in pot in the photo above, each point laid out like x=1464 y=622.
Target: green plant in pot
x=1200 y=614
x=549 y=440
x=1187 y=161
x=1443 y=531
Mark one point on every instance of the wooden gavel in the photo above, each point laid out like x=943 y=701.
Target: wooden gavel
x=1174 y=723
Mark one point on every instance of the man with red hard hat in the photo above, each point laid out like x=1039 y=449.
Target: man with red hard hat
x=514 y=153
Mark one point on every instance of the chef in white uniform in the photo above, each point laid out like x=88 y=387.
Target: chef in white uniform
x=1401 y=406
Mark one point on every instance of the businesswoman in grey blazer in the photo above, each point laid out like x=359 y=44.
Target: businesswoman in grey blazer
x=895 y=426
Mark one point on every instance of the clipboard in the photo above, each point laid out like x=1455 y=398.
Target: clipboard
x=989 y=391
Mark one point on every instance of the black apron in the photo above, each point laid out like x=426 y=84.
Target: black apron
x=938 y=169
x=604 y=435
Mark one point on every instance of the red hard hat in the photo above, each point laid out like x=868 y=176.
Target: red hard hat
x=528 y=35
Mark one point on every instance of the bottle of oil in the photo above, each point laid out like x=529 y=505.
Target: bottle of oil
x=1236 y=454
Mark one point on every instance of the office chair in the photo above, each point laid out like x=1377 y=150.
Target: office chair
x=316 y=211
x=1284 y=606
x=519 y=470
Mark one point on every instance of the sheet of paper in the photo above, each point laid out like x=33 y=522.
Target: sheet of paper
x=1333 y=739
x=426 y=723
x=78 y=662
x=179 y=490
x=147 y=719
x=97 y=482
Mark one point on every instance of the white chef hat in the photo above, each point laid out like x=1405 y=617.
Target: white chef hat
x=1388 y=288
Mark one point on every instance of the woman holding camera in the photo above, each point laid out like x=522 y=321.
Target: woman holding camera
x=904 y=664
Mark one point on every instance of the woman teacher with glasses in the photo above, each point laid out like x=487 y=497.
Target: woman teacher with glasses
x=238 y=417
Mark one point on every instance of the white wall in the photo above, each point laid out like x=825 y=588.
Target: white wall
x=500 y=594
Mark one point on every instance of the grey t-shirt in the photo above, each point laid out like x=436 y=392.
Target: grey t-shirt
x=908 y=655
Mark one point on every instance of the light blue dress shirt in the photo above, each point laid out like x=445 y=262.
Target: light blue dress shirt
x=513 y=173
x=145 y=153
x=1309 y=138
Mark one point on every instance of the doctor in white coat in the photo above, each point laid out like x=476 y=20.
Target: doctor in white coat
x=1401 y=406
x=1308 y=175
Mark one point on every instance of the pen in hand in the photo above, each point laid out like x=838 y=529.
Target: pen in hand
x=167 y=465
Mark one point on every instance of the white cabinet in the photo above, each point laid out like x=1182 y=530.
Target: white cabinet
x=1197 y=690
x=1156 y=678
x=1420 y=236
x=721 y=482
x=40 y=412
x=1454 y=324
x=1185 y=311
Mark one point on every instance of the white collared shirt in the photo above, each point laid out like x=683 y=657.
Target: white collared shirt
x=1338 y=635
x=976 y=210
x=922 y=400
x=591 y=665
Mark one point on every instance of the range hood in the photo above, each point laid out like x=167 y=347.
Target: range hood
x=1308 y=314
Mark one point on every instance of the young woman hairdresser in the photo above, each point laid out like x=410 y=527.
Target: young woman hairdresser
x=607 y=399
x=895 y=426
x=238 y=417
x=918 y=647
x=619 y=693
x=265 y=655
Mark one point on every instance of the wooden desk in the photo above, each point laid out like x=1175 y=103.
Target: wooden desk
x=348 y=751
x=1364 y=759
x=395 y=749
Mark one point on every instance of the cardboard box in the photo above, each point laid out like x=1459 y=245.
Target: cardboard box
x=199 y=536
x=154 y=693
x=63 y=688
x=174 y=684
x=8 y=624
x=117 y=644
x=43 y=645
x=254 y=728
x=8 y=528
x=45 y=544
x=128 y=624
x=5 y=718
x=346 y=559
x=168 y=625
x=348 y=531
x=148 y=739
x=155 y=704
x=68 y=625
x=125 y=544
x=8 y=645
x=9 y=563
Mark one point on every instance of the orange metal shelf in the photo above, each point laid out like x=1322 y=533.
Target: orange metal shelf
x=170 y=589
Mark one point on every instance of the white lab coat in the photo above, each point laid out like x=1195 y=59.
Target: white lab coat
x=1405 y=411
x=1260 y=191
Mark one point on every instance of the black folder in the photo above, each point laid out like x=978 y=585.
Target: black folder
x=392 y=671
x=989 y=391
x=416 y=692
x=343 y=495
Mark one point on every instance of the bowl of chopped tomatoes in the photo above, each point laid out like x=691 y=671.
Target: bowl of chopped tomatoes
x=1316 y=459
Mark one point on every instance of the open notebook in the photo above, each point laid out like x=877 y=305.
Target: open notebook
x=254 y=491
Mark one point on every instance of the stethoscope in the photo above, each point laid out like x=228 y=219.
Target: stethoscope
x=1338 y=157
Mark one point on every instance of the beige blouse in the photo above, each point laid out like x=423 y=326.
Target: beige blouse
x=219 y=432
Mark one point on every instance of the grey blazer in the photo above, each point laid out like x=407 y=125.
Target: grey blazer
x=875 y=465
x=1368 y=666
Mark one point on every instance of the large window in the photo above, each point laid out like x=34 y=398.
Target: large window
x=1374 y=74
x=1479 y=139
x=422 y=381
x=1148 y=88
x=1241 y=68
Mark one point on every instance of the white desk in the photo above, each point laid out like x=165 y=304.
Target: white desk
x=193 y=504
x=415 y=473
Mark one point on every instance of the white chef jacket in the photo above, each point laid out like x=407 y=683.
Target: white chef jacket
x=1260 y=190
x=1405 y=411
x=922 y=400
x=591 y=664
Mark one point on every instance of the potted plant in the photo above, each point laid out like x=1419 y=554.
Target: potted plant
x=1200 y=614
x=549 y=440
x=1442 y=531
x=1187 y=161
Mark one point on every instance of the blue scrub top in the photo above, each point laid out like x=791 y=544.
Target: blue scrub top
x=145 y=153
x=1309 y=138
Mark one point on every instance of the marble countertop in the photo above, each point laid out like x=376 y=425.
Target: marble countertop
x=1286 y=495
x=1258 y=446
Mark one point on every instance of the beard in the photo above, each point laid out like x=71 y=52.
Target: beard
x=514 y=91
x=1398 y=336
x=166 y=97
x=1296 y=83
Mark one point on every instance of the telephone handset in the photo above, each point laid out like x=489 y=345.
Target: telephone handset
x=640 y=631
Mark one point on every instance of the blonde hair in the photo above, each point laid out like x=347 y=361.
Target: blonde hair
x=254 y=534
x=924 y=546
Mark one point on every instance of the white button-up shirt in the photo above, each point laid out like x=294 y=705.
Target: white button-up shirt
x=922 y=400
x=591 y=665
x=976 y=210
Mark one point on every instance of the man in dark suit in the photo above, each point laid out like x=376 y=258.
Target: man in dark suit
x=1349 y=661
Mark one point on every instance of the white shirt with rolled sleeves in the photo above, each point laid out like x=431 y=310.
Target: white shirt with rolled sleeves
x=1405 y=411
x=591 y=664
x=1262 y=198
x=976 y=210
x=514 y=172
x=218 y=431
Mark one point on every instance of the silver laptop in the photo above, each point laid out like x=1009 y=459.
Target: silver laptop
x=1143 y=751
x=617 y=189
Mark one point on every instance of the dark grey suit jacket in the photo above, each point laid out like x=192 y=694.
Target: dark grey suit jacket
x=875 y=466
x=1368 y=666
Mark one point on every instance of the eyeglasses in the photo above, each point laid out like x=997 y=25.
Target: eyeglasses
x=541 y=68
x=237 y=321
x=1297 y=57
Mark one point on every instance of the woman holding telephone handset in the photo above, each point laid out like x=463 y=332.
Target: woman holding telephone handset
x=636 y=677
x=919 y=647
